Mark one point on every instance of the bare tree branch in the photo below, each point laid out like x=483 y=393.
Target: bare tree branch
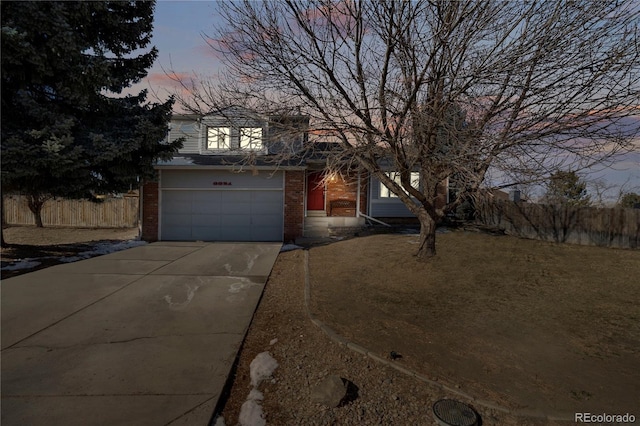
x=453 y=90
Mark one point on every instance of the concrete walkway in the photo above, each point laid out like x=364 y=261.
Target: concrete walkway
x=145 y=336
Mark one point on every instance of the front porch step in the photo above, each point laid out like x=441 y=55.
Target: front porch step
x=316 y=213
x=328 y=226
x=333 y=221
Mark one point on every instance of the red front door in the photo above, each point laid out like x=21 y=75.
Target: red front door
x=315 y=191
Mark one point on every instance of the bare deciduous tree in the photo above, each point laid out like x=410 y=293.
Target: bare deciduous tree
x=451 y=89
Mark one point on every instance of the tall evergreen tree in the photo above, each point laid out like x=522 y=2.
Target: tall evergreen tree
x=566 y=188
x=67 y=130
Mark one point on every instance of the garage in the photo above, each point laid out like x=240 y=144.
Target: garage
x=211 y=205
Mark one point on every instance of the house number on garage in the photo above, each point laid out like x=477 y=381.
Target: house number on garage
x=221 y=183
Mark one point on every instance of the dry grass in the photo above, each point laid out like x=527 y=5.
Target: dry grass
x=523 y=323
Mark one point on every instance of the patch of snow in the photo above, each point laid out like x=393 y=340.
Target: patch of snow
x=98 y=249
x=262 y=366
x=273 y=342
x=219 y=421
x=102 y=248
x=255 y=395
x=21 y=264
x=289 y=247
x=251 y=414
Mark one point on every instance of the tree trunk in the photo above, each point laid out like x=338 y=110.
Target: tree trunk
x=35 y=203
x=427 y=243
x=38 y=216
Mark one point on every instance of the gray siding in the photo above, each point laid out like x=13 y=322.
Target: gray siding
x=189 y=129
x=221 y=121
x=386 y=207
x=276 y=136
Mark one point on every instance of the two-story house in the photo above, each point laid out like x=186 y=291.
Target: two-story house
x=208 y=192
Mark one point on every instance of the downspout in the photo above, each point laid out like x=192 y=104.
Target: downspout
x=369 y=195
x=358 y=196
x=304 y=194
x=140 y=215
x=159 y=211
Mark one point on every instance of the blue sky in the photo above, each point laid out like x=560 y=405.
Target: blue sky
x=178 y=35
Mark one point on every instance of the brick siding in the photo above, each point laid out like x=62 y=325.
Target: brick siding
x=346 y=188
x=150 y=211
x=293 y=204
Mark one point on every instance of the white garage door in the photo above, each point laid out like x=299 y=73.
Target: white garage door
x=221 y=206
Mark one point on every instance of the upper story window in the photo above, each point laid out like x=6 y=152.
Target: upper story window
x=251 y=138
x=218 y=138
x=234 y=138
x=395 y=176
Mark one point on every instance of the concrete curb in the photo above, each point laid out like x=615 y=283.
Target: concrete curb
x=335 y=337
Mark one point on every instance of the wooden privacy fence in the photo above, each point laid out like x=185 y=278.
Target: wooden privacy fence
x=615 y=227
x=110 y=213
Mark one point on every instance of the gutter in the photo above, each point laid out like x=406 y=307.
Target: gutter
x=230 y=167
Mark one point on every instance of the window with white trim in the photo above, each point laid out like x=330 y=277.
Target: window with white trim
x=395 y=176
x=218 y=138
x=251 y=138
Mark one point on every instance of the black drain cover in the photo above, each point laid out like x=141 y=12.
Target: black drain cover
x=454 y=413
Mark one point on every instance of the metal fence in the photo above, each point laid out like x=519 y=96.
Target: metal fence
x=615 y=227
x=110 y=213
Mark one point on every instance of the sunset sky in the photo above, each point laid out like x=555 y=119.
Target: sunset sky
x=178 y=34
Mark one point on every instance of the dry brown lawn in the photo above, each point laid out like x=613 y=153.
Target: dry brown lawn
x=526 y=324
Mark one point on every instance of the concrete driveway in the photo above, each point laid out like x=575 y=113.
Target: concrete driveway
x=145 y=336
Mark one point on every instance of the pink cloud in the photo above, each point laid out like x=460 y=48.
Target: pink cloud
x=168 y=79
x=206 y=50
x=165 y=84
